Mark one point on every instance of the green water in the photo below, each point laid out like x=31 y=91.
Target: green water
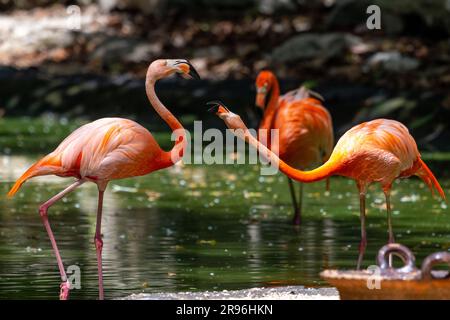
x=198 y=227
x=201 y=228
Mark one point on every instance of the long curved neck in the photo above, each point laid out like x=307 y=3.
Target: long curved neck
x=324 y=171
x=176 y=153
x=272 y=105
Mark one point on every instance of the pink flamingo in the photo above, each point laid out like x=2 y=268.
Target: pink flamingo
x=305 y=128
x=380 y=150
x=109 y=149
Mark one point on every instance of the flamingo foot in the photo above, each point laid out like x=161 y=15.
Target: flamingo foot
x=64 y=292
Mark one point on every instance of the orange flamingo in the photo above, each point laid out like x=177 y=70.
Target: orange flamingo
x=109 y=149
x=380 y=150
x=305 y=136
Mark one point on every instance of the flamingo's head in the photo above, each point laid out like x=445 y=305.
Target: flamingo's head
x=232 y=120
x=264 y=84
x=162 y=68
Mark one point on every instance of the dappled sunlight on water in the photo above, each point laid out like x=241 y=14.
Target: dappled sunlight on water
x=200 y=228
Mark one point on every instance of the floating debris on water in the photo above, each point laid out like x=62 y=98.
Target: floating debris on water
x=272 y=293
x=249 y=195
x=33 y=250
x=153 y=195
x=117 y=188
x=209 y=242
x=411 y=198
x=216 y=193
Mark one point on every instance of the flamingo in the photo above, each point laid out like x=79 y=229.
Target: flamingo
x=305 y=127
x=109 y=149
x=380 y=150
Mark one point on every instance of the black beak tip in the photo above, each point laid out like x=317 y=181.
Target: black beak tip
x=192 y=72
x=215 y=106
x=213 y=109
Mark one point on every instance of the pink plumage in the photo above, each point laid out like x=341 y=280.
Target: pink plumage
x=109 y=149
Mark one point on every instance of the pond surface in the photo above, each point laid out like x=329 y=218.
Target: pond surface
x=192 y=227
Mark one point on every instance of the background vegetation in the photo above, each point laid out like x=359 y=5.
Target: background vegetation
x=400 y=71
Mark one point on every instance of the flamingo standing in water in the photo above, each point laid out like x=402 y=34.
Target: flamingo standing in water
x=305 y=136
x=380 y=150
x=109 y=149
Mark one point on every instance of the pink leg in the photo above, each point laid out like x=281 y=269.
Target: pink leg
x=65 y=285
x=362 y=208
x=99 y=243
x=363 y=243
x=387 y=194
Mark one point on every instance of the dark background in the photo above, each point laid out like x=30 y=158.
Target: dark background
x=399 y=72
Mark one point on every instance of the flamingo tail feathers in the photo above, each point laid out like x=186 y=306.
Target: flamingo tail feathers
x=37 y=169
x=427 y=176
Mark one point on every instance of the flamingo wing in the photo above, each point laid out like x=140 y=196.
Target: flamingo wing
x=106 y=149
x=306 y=133
x=382 y=150
x=300 y=94
x=109 y=148
x=390 y=138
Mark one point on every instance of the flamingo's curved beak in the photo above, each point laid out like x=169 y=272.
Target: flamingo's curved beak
x=232 y=120
x=260 y=100
x=217 y=108
x=186 y=69
x=262 y=95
